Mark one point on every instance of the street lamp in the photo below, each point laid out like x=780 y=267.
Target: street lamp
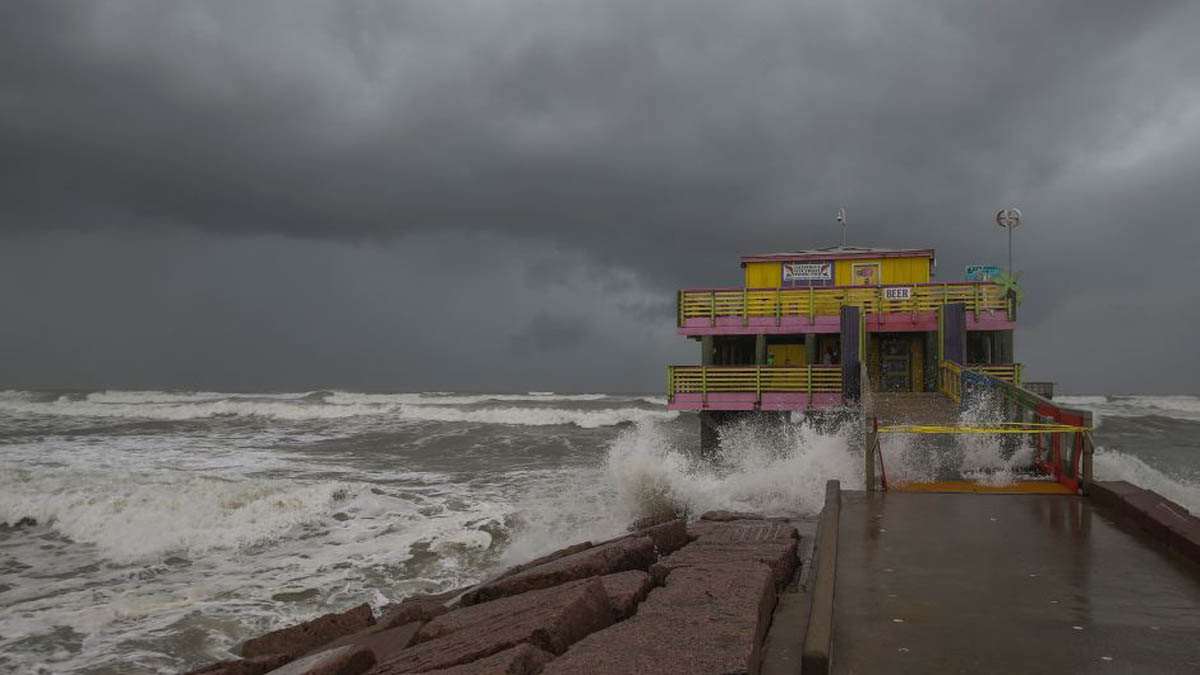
x=1009 y=219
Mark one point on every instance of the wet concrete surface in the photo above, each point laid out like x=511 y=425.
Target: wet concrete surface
x=980 y=583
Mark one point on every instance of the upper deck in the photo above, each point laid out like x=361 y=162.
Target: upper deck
x=804 y=292
x=890 y=308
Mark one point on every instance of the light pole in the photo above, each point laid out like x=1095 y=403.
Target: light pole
x=1009 y=219
x=841 y=218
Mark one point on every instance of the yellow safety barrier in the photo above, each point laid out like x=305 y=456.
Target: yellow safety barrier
x=757 y=379
x=811 y=302
x=995 y=428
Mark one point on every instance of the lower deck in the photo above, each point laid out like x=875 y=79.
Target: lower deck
x=979 y=583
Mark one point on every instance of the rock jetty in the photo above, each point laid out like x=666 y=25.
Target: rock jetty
x=669 y=597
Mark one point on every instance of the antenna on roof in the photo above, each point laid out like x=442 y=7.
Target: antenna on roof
x=841 y=218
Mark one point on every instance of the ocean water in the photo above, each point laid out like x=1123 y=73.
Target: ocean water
x=148 y=532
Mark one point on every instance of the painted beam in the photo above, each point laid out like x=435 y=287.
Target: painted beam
x=902 y=322
x=780 y=401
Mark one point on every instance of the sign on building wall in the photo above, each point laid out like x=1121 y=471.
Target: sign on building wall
x=982 y=272
x=897 y=293
x=807 y=274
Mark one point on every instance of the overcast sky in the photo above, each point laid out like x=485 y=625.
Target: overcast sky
x=504 y=195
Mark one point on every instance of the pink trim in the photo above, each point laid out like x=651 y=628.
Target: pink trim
x=891 y=322
x=745 y=401
x=781 y=257
x=788 y=325
x=989 y=321
x=832 y=288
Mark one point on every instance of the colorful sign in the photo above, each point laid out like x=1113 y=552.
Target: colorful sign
x=983 y=272
x=897 y=293
x=794 y=273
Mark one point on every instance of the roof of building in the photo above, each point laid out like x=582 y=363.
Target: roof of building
x=841 y=252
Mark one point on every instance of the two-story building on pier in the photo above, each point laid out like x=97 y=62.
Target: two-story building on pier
x=791 y=338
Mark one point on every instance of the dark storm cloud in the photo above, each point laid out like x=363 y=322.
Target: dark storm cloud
x=548 y=334
x=662 y=139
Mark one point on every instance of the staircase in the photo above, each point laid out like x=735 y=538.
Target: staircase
x=910 y=408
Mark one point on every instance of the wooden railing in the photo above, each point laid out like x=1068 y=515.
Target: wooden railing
x=1009 y=372
x=950 y=381
x=812 y=302
x=1065 y=453
x=756 y=379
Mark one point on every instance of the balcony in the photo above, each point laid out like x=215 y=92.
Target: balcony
x=743 y=311
x=753 y=387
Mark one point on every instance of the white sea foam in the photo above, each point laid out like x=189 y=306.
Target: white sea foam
x=527 y=416
x=412 y=407
x=138 y=516
x=1177 y=407
x=1116 y=465
x=767 y=468
x=441 y=398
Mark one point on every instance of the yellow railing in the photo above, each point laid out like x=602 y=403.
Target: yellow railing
x=1009 y=372
x=812 y=302
x=753 y=379
x=950 y=381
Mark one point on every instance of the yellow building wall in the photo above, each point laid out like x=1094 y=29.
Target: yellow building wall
x=764 y=275
x=786 y=354
x=892 y=270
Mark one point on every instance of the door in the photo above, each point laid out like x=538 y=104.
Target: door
x=865 y=274
x=897 y=364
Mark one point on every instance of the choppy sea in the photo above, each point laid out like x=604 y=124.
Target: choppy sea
x=148 y=532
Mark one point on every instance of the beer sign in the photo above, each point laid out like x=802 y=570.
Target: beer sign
x=897 y=293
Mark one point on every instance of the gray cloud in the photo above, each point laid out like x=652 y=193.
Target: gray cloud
x=648 y=143
x=548 y=334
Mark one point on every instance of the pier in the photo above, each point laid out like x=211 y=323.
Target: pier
x=1045 y=571
x=1003 y=583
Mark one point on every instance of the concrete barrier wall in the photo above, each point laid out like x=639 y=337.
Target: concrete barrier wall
x=1152 y=512
x=818 y=640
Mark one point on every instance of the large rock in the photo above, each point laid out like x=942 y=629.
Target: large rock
x=383 y=641
x=349 y=660
x=524 y=659
x=625 y=590
x=707 y=619
x=726 y=516
x=736 y=542
x=257 y=665
x=617 y=556
x=303 y=638
x=668 y=537
x=551 y=619
x=549 y=557
x=417 y=608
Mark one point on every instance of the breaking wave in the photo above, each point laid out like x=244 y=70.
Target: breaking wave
x=1180 y=407
x=335 y=405
x=136 y=516
x=1116 y=465
x=771 y=468
x=587 y=419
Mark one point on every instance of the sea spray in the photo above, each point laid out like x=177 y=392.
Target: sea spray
x=776 y=468
x=994 y=459
x=1115 y=465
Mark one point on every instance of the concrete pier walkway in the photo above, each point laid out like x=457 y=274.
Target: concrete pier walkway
x=983 y=583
